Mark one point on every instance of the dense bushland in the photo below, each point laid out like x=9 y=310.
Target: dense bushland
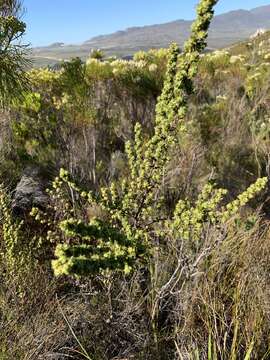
x=138 y=251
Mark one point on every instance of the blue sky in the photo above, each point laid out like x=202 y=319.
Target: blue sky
x=72 y=21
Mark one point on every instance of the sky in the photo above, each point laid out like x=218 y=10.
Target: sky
x=75 y=21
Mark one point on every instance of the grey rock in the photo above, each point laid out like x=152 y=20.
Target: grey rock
x=30 y=192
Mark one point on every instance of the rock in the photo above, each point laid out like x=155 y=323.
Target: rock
x=30 y=192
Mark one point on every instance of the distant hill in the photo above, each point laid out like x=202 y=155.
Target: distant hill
x=225 y=30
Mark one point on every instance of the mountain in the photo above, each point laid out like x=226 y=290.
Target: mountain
x=225 y=30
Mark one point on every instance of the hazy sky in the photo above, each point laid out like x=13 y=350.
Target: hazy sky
x=73 y=21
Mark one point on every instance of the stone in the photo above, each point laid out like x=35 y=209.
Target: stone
x=29 y=192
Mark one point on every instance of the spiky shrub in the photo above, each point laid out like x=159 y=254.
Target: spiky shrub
x=134 y=210
x=12 y=52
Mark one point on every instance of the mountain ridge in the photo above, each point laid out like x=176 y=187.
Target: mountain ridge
x=226 y=29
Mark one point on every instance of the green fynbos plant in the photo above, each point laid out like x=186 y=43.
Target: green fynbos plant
x=134 y=208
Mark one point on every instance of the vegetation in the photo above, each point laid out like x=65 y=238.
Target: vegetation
x=152 y=238
x=13 y=59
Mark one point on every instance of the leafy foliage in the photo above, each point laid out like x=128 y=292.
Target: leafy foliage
x=12 y=53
